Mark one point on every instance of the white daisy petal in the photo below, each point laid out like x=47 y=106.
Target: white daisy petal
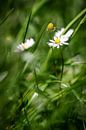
x=57 y=34
x=66 y=43
x=51 y=41
x=69 y=33
x=50 y=44
x=60 y=39
x=55 y=45
x=62 y=30
x=29 y=42
x=20 y=48
x=64 y=38
x=23 y=46
x=58 y=46
x=61 y=44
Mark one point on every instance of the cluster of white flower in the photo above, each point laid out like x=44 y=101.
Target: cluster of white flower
x=60 y=39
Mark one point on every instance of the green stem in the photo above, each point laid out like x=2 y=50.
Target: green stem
x=36 y=79
x=45 y=64
x=41 y=33
x=62 y=60
x=74 y=20
x=9 y=13
x=37 y=88
x=29 y=18
x=25 y=112
x=80 y=23
x=62 y=69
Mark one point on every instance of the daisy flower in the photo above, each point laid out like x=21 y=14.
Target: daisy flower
x=23 y=46
x=60 y=39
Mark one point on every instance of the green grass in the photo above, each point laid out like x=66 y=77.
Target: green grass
x=42 y=88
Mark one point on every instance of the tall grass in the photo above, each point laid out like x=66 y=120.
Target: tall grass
x=42 y=88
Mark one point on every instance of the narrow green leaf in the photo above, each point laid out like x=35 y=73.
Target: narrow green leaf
x=39 y=37
x=28 y=22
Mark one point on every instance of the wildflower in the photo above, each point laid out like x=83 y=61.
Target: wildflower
x=60 y=39
x=23 y=46
x=50 y=27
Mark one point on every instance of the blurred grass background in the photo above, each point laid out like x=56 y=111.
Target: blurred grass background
x=34 y=100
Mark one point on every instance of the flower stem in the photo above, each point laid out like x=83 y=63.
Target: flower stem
x=41 y=33
x=45 y=64
x=62 y=61
x=36 y=79
x=9 y=13
x=74 y=20
x=37 y=87
x=78 y=26
x=28 y=22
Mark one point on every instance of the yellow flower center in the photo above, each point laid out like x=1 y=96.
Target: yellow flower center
x=57 y=41
x=50 y=27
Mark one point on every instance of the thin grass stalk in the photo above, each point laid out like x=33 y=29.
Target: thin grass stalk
x=75 y=19
x=79 y=25
x=28 y=22
x=6 y=17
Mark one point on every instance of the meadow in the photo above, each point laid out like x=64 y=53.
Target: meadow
x=43 y=65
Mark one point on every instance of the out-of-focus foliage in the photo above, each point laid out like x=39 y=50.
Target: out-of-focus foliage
x=33 y=97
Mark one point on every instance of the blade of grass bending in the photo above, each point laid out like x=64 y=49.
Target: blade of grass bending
x=77 y=96
x=39 y=37
x=66 y=91
x=74 y=20
x=27 y=27
x=25 y=112
x=4 y=19
x=37 y=88
x=80 y=23
x=29 y=18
